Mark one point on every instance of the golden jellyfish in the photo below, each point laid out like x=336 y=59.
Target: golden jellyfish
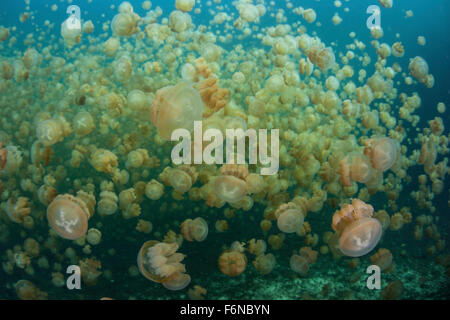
x=265 y=263
x=17 y=211
x=232 y=263
x=93 y=236
x=398 y=50
x=111 y=45
x=358 y=232
x=255 y=183
x=290 y=217
x=51 y=131
x=393 y=291
x=108 y=203
x=68 y=216
x=88 y=27
x=382 y=152
x=154 y=190
x=299 y=264
x=182 y=178
x=231 y=185
x=321 y=57
x=179 y=21
x=138 y=100
x=125 y=24
x=309 y=15
x=418 y=68
x=104 y=160
x=83 y=123
x=184 y=5
x=176 y=107
x=4 y=33
x=71 y=32
x=159 y=262
x=46 y=194
x=354 y=167
x=383 y=258
x=386 y=3
x=26 y=290
x=196 y=229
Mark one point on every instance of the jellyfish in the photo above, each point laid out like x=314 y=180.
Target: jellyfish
x=176 y=107
x=418 y=68
x=382 y=152
x=231 y=185
x=358 y=232
x=68 y=216
x=159 y=262
x=289 y=217
x=196 y=229
x=355 y=167
x=232 y=263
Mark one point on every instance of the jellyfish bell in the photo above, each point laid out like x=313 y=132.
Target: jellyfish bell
x=71 y=31
x=230 y=188
x=68 y=216
x=418 y=68
x=176 y=107
x=143 y=264
x=177 y=281
x=360 y=237
x=290 y=217
x=382 y=152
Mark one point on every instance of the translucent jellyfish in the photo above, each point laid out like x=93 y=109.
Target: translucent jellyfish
x=321 y=57
x=180 y=180
x=360 y=237
x=355 y=167
x=289 y=217
x=196 y=229
x=71 y=33
x=108 y=203
x=232 y=263
x=159 y=262
x=299 y=264
x=83 y=123
x=358 y=232
x=418 y=68
x=52 y=131
x=382 y=258
x=176 y=107
x=184 y=5
x=264 y=263
x=68 y=216
x=125 y=24
x=382 y=152
x=177 y=281
x=230 y=188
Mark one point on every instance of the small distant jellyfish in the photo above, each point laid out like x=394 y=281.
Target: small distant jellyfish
x=68 y=216
x=358 y=232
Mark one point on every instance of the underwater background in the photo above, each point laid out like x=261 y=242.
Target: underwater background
x=88 y=75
